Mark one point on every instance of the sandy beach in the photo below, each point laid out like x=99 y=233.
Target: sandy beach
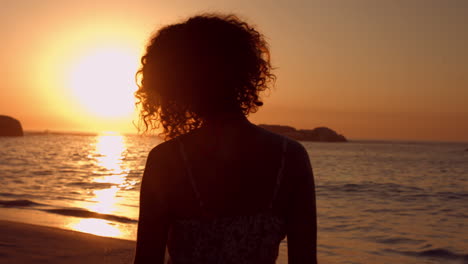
x=25 y=243
x=22 y=243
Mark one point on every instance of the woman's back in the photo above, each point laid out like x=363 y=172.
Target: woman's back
x=220 y=189
x=234 y=166
x=227 y=200
x=225 y=230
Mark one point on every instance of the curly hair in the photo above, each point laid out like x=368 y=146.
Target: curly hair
x=207 y=65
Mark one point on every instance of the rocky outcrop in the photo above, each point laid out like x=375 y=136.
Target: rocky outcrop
x=322 y=134
x=10 y=127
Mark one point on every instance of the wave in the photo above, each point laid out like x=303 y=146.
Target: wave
x=370 y=187
x=89 y=214
x=18 y=203
x=8 y=194
x=92 y=185
x=453 y=195
x=399 y=192
x=438 y=253
x=82 y=213
x=397 y=240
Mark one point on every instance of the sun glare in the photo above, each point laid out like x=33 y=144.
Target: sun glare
x=95 y=226
x=102 y=81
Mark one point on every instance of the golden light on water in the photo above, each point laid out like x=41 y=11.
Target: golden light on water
x=96 y=226
x=109 y=149
x=106 y=200
x=108 y=154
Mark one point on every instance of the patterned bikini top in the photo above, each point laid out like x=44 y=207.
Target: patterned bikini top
x=251 y=239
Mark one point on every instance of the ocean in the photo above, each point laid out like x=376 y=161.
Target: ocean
x=377 y=201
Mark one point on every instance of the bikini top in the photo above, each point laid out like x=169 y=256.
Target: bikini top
x=244 y=239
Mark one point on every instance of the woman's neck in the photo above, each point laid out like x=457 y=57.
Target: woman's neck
x=226 y=118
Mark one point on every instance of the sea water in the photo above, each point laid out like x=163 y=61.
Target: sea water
x=377 y=202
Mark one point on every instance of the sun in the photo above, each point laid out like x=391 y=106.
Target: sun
x=103 y=82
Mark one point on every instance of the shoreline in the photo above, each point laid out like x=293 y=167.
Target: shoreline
x=28 y=243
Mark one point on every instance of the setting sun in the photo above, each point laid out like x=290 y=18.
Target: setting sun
x=103 y=82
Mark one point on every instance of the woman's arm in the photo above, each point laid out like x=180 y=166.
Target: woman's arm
x=301 y=216
x=153 y=222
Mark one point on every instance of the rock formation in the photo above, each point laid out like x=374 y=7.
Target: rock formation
x=10 y=127
x=322 y=134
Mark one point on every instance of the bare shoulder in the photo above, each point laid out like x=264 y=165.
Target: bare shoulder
x=161 y=162
x=296 y=148
x=297 y=159
x=161 y=165
x=162 y=151
x=293 y=147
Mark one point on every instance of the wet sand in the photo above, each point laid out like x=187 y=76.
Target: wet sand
x=25 y=243
x=22 y=243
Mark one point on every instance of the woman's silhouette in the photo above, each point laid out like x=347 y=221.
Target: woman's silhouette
x=219 y=189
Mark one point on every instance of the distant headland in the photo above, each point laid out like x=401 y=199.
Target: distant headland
x=10 y=127
x=321 y=134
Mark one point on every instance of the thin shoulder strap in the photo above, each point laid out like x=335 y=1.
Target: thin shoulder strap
x=188 y=171
x=279 y=176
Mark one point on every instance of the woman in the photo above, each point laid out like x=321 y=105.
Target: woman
x=219 y=189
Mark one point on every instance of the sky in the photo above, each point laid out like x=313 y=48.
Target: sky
x=368 y=69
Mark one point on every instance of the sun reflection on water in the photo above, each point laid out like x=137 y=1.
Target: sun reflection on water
x=108 y=154
x=95 y=226
x=106 y=200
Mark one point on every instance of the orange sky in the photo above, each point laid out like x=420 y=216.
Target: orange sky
x=368 y=69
